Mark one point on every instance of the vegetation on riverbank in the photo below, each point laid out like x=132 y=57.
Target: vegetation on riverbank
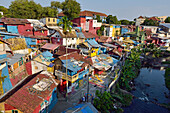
x=130 y=69
x=167 y=78
x=108 y=102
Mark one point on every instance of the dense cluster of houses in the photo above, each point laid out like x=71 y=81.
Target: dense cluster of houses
x=34 y=57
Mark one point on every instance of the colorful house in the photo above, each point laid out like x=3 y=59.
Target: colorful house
x=50 y=47
x=38 y=28
x=77 y=68
x=16 y=68
x=36 y=94
x=58 y=37
x=86 y=20
x=49 y=21
x=16 y=25
x=43 y=61
x=5 y=83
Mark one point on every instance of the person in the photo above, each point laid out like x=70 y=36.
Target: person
x=83 y=99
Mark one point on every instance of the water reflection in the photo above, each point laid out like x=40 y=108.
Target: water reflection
x=150 y=86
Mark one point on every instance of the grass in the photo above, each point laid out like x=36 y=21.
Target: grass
x=166 y=62
x=167 y=78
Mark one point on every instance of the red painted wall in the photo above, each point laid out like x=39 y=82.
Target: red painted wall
x=22 y=29
x=91 y=28
x=39 y=33
x=55 y=40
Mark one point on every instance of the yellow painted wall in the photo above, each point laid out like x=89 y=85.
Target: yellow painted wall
x=51 y=21
x=94 y=53
x=1 y=88
x=113 y=32
x=50 y=69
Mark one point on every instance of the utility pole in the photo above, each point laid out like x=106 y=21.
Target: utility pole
x=88 y=86
x=66 y=73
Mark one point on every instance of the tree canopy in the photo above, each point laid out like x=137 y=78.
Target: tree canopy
x=71 y=8
x=112 y=20
x=98 y=18
x=30 y=9
x=167 y=20
x=148 y=22
x=25 y=9
x=124 y=22
x=5 y=11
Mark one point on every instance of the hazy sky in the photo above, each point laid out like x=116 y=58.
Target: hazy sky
x=123 y=9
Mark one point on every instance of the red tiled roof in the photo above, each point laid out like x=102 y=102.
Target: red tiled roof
x=140 y=17
x=89 y=35
x=17 y=21
x=154 y=18
x=37 y=37
x=86 y=13
x=27 y=102
x=91 y=13
x=103 y=39
x=50 y=46
x=62 y=50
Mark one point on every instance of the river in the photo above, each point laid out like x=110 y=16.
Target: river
x=150 y=85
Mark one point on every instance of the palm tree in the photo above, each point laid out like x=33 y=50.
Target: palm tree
x=66 y=25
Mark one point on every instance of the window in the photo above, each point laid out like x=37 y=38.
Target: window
x=36 y=67
x=58 y=40
x=28 y=30
x=72 y=38
x=53 y=20
x=14 y=111
x=48 y=19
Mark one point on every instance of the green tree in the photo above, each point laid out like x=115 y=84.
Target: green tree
x=167 y=20
x=100 y=31
x=131 y=22
x=0 y=15
x=49 y=12
x=5 y=11
x=25 y=9
x=125 y=22
x=98 y=18
x=148 y=22
x=71 y=8
x=112 y=20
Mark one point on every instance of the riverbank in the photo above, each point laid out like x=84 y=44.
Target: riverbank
x=167 y=78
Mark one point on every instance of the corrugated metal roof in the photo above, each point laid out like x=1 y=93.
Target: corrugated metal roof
x=50 y=46
x=166 y=25
x=71 y=65
x=93 y=43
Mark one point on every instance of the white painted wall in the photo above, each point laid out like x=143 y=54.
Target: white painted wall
x=70 y=41
x=40 y=66
x=96 y=24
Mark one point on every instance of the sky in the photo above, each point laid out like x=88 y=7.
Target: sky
x=123 y=9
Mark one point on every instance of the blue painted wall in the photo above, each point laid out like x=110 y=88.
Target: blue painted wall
x=53 y=100
x=12 y=29
x=7 y=85
x=30 y=41
x=124 y=30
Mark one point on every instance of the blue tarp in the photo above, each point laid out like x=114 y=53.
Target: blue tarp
x=135 y=42
x=71 y=66
x=93 y=43
x=114 y=60
x=47 y=54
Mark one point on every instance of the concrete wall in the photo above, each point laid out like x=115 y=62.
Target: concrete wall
x=36 y=67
